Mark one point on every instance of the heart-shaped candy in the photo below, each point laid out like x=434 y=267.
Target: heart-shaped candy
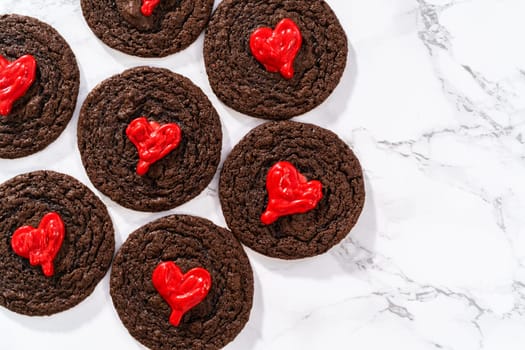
x=15 y=79
x=276 y=49
x=153 y=141
x=40 y=245
x=289 y=192
x=181 y=291
x=148 y=6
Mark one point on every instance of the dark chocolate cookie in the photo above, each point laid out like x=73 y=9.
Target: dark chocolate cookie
x=39 y=116
x=244 y=84
x=173 y=25
x=82 y=258
x=189 y=242
x=318 y=154
x=111 y=159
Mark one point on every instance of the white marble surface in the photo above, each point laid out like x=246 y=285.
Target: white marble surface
x=433 y=103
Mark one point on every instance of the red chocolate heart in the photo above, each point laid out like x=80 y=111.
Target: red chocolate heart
x=148 y=6
x=40 y=245
x=153 y=141
x=276 y=49
x=181 y=291
x=15 y=79
x=289 y=192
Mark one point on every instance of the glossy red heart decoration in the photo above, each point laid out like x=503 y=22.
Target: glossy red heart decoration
x=40 y=245
x=181 y=291
x=289 y=192
x=15 y=79
x=148 y=6
x=153 y=141
x=276 y=49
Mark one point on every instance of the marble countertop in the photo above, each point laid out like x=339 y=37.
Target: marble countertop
x=433 y=104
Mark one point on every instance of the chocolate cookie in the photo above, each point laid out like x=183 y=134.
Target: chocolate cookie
x=251 y=174
x=172 y=26
x=32 y=119
x=111 y=158
x=188 y=242
x=242 y=82
x=78 y=260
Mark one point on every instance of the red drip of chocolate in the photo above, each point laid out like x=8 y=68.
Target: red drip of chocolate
x=40 y=245
x=15 y=79
x=148 y=6
x=153 y=141
x=289 y=192
x=181 y=291
x=276 y=49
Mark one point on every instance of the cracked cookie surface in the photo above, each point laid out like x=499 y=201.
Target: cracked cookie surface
x=189 y=242
x=242 y=83
x=85 y=254
x=110 y=158
x=173 y=26
x=40 y=116
x=319 y=155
